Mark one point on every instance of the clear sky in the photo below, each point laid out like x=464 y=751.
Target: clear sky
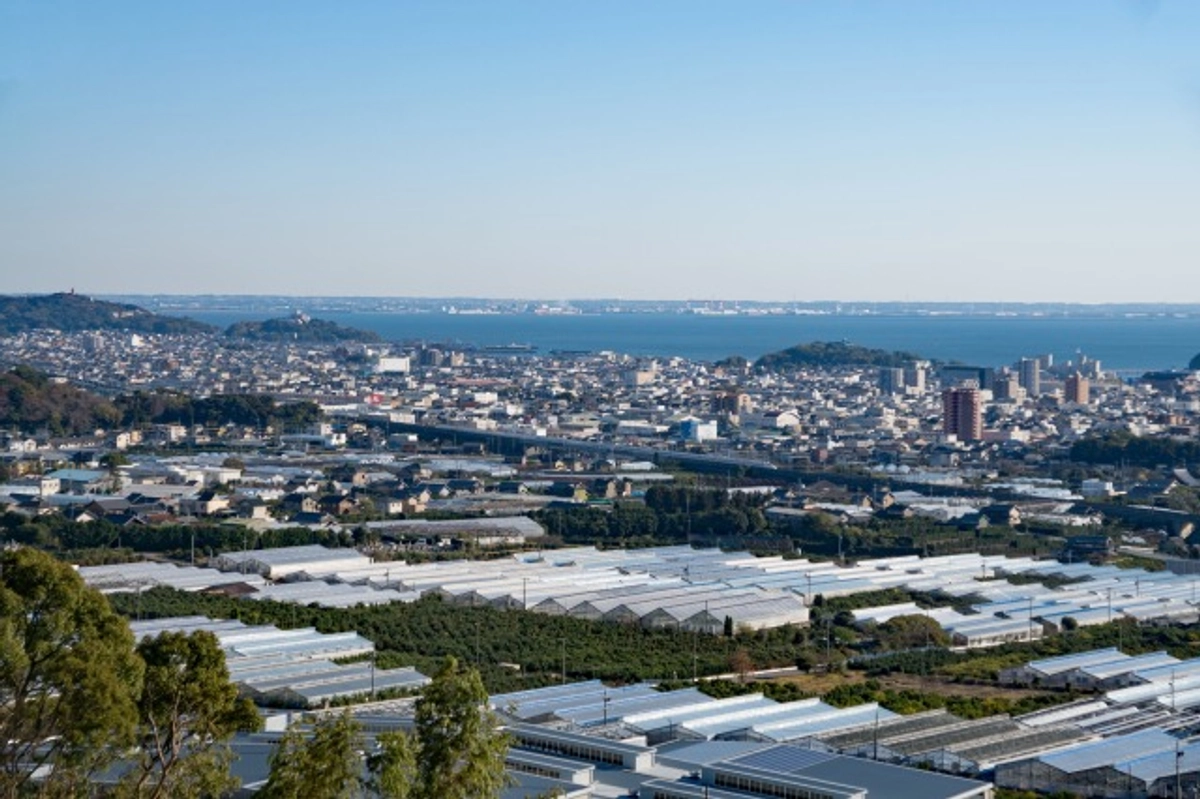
x=960 y=150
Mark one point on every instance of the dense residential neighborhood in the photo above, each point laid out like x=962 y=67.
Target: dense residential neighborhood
x=406 y=429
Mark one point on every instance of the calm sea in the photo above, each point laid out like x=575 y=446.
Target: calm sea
x=1121 y=343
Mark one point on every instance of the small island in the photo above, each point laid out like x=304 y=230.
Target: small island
x=826 y=354
x=299 y=328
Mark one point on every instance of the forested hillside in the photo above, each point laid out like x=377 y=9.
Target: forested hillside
x=70 y=312
x=831 y=353
x=311 y=331
x=30 y=401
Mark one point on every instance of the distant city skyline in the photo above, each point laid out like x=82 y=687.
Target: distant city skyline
x=778 y=151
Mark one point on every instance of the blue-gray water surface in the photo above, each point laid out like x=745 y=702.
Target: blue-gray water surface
x=1127 y=344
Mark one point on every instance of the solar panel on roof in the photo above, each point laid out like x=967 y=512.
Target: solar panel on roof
x=782 y=759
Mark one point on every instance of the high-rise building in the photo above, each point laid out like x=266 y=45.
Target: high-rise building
x=959 y=374
x=1076 y=389
x=1007 y=386
x=1029 y=371
x=962 y=413
x=891 y=380
x=914 y=377
x=731 y=401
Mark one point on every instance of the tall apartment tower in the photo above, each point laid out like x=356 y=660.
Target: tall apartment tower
x=1007 y=386
x=914 y=376
x=891 y=380
x=1076 y=389
x=1029 y=370
x=962 y=413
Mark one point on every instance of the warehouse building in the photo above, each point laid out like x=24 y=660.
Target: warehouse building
x=785 y=770
x=1139 y=764
x=142 y=575
x=946 y=742
x=291 y=668
x=276 y=564
x=1056 y=672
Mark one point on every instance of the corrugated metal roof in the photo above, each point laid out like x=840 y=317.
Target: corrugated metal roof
x=1064 y=663
x=1110 y=750
x=782 y=759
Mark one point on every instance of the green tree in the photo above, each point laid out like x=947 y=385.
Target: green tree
x=393 y=767
x=112 y=460
x=456 y=750
x=69 y=675
x=327 y=764
x=460 y=749
x=911 y=631
x=189 y=710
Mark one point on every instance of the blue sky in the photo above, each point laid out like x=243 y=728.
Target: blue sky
x=797 y=150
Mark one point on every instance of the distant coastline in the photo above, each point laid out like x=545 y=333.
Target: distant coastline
x=1126 y=338
x=481 y=306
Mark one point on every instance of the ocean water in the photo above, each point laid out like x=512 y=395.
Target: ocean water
x=1125 y=344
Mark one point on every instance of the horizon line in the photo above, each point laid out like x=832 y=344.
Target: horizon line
x=551 y=301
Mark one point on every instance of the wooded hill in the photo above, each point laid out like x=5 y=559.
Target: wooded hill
x=831 y=353
x=310 y=331
x=31 y=402
x=70 y=312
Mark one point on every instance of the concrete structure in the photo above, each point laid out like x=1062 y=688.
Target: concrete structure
x=291 y=668
x=1029 y=373
x=962 y=413
x=1076 y=389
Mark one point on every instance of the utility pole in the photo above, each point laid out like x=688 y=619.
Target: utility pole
x=563 y=643
x=876 y=736
x=687 y=502
x=1178 y=757
x=828 y=645
x=695 y=655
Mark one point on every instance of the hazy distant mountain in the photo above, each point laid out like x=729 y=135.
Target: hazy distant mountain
x=831 y=353
x=299 y=328
x=75 y=312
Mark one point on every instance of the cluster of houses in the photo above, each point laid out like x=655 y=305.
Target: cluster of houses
x=841 y=416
